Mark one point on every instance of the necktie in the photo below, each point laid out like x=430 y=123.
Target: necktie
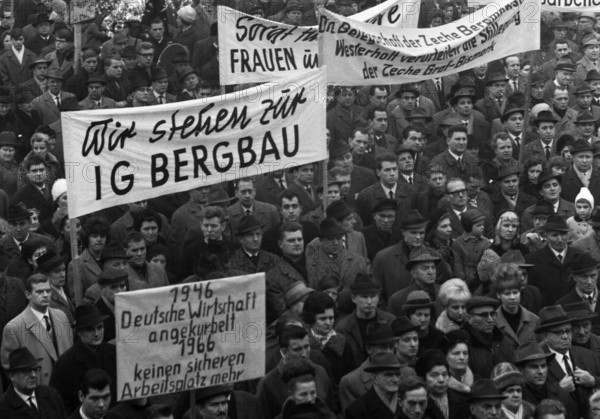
x=515 y=87
x=58 y=101
x=48 y=325
x=248 y=212
x=281 y=185
x=460 y=162
x=438 y=85
x=465 y=123
x=517 y=141
x=547 y=152
x=567 y=365
x=560 y=258
x=32 y=405
x=309 y=190
x=410 y=180
x=391 y=194
x=590 y=299
x=43 y=191
x=160 y=99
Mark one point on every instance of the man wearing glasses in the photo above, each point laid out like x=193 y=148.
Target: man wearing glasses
x=145 y=60
x=573 y=368
x=26 y=398
x=489 y=345
x=457 y=204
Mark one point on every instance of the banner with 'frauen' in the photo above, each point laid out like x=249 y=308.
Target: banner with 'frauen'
x=117 y=156
x=255 y=50
x=363 y=54
x=190 y=336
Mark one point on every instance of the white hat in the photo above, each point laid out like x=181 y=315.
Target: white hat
x=59 y=188
x=584 y=193
x=187 y=14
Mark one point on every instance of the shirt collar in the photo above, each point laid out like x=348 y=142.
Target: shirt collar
x=563 y=253
x=387 y=190
x=456 y=156
x=40 y=316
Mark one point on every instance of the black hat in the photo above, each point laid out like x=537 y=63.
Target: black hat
x=138 y=82
x=543 y=208
x=583 y=88
x=379 y=333
x=24 y=96
x=419 y=113
x=403 y=149
x=338 y=149
x=112 y=275
x=481 y=301
x=41 y=18
x=181 y=57
x=417 y=299
x=208 y=392
x=585 y=117
x=217 y=196
x=413 y=219
x=537 y=78
x=9 y=138
x=39 y=60
x=300 y=410
x=49 y=261
x=247 y=224
x=556 y=223
x=531 y=351
x=113 y=251
x=419 y=255
x=17 y=213
x=87 y=315
x=338 y=210
x=506 y=170
x=580 y=146
x=96 y=78
x=402 y=325
x=485 y=389
x=583 y=262
x=545 y=176
x=510 y=109
x=364 y=284
x=494 y=77
x=21 y=359
x=384 y=204
x=158 y=74
x=550 y=317
x=592 y=75
x=330 y=228
x=383 y=361
x=545 y=116
x=579 y=311
x=129 y=51
x=565 y=66
x=182 y=73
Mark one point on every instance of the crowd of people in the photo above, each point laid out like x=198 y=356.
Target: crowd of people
x=441 y=264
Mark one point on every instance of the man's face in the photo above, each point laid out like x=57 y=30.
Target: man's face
x=149 y=230
x=489 y=409
x=142 y=94
x=504 y=149
x=37 y=174
x=582 y=331
x=413 y=236
x=251 y=241
x=359 y=143
x=483 y=319
x=457 y=194
x=584 y=100
x=535 y=372
x=512 y=65
x=415 y=141
x=332 y=245
x=115 y=69
x=344 y=183
x=437 y=182
x=54 y=86
x=290 y=209
x=586 y=129
x=306 y=174
x=20 y=229
x=551 y=190
x=464 y=107
x=421 y=318
x=92 y=335
x=90 y=65
x=387 y=381
x=388 y=174
x=408 y=101
x=380 y=121
x=116 y=263
x=496 y=89
x=564 y=78
x=39 y=71
x=510 y=185
x=39 y=297
x=384 y=219
x=95 y=404
x=582 y=160
x=585 y=25
x=18 y=43
x=424 y=273
x=157 y=31
x=557 y=240
x=297 y=349
x=346 y=98
x=246 y=193
x=457 y=143
x=292 y=244
x=596 y=86
x=212 y=228
x=25 y=380
x=160 y=86
x=560 y=50
x=145 y=57
x=95 y=91
x=559 y=338
x=586 y=282
x=366 y=304
x=57 y=276
x=61 y=44
x=560 y=99
x=333 y=193
x=406 y=162
x=110 y=290
x=379 y=97
x=215 y=408
x=305 y=392
x=43 y=28
x=414 y=403
x=136 y=251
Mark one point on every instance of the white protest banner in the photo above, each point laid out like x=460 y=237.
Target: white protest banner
x=573 y=6
x=362 y=54
x=255 y=50
x=117 y=156
x=189 y=336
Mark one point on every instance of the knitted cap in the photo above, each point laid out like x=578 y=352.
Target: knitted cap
x=58 y=188
x=505 y=375
x=585 y=194
x=487 y=264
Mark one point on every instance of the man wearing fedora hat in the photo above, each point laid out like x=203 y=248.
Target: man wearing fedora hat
x=582 y=174
x=589 y=61
x=493 y=104
x=43 y=38
x=407 y=97
x=485 y=401
x=303 y=185
x=360 y=177
x=26 y=398
x=95 y=98
x=53 y=266
x=160 y=83
x=48 y=105
x=583 y=334
x=382 y=232
x=246 y=204
x=43 y=330
x=89 y=352
x=111 y=282
x=381 y=401
x=249 y=257
x=584 y=274
x=508 y=196
x=38 y=83
x=564 y=75
x=553 y=262
x=584 y=101
x=389 y=265
x=545 y=147
x=586 y=122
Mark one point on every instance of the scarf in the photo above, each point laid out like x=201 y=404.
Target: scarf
x=464 y=384
x=333 y=341
x=510 y=415
x=446 y=324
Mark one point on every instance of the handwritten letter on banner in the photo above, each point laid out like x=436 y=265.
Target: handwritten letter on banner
x=117 y=156
x=362 y=54
x=255 y=50
x=189 y=336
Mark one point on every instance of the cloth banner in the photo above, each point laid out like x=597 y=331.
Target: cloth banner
x=572 y=6
x=357 y=53
x=190 y=336
x=118 y=156
x=255 y=50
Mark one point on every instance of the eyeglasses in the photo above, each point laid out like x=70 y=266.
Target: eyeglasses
x=458 y=193
x=561 y=332
x=486 y=314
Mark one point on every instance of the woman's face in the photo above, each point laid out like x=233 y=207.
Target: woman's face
x=566 y=153
x=34 y=220
x=36 y=254
x=443 y=230
x=458 y=357
x=324 y=322
x=7 y=153
x=159 y=260
x=508 y=229
x=7 y=43
x=457 y=311
x=514 y=396
x=437 y=380
x=533 y=173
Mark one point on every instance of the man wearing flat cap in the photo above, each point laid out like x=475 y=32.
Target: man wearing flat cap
x=564 y=75
x=489 y=345
x=26 y=398
x=249 y=257
x=89 y=352
x=553 y=263
x=389 y=265
x=573 y=368
x=381 y=401
x=382 y=232
x=584 y=274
